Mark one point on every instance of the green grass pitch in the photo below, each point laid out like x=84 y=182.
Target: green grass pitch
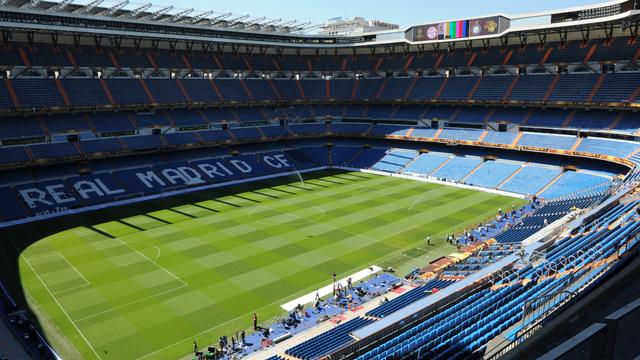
x=144 y=286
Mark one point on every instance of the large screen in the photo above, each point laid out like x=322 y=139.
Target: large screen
x=458 y=29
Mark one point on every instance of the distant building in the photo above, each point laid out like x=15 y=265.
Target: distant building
x=355 y=26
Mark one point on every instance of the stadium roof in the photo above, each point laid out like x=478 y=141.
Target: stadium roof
x=123 y=18
x=148 y=12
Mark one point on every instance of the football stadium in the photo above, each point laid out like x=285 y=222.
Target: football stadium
x=196 y=184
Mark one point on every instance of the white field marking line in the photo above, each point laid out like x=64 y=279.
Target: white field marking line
x=60 y=306
x=87 y=282
x=158 y=252
x=62 y=292
x=130 y=303
x=151 y=261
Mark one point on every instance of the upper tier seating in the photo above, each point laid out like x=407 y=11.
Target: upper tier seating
x=573 y=87
x=505 y=138
x=620 y=149
x=458 y=134
x=562 y=142
x=531 y=87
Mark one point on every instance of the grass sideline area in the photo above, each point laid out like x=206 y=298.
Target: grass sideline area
x=144 y=282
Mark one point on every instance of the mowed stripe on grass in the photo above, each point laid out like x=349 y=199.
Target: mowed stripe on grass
x=159 y=280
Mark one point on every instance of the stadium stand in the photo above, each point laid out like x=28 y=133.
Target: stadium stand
x=87 y=124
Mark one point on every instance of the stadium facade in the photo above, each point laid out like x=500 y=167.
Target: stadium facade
x=105 y=105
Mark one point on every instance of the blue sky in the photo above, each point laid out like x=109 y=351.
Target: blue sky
x=403 y=12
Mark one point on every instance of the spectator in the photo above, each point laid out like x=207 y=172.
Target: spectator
x=255 y=321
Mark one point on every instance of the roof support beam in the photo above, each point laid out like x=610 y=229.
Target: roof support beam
x=160 y=13
x=88 y=8
x=60 y=6
x=178 y=16
x=137 y=11
x=202 y=16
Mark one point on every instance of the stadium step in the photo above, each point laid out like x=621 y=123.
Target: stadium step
x=617 y=120
x=152 y=61
x=114 y=60
x=248 y=63
x=567 y=121
x=407 y=164
x=518 y=137
x=72 y=59
x=300 y=89
x=472 y=172
x=246 y=90
x=590 y=53
x=262 y=134
x=511 y=87
x=215 y=88
x=187 y=62
x=472 y=58
x=408 y=63
x=635 y=94
x=438 y=62
x=441 y=165
x=475 y=87
x=576 y=144
x=184 y=91
x=327 y=89
x=275 y=90
x=489 y=116
x=482 y=136
x=527 y=117
x=410 y=89
x=437 y=134
x=506 y=59
x=63 y=93
x=510 y=177
x=550 y=184
x=596 y=87
x=12 y=93
x=633 y=154
x=545 y=57
x=152 y=99
x=551 y=87
x=355 y=156
x=441 y=89
x=355 y=89
x=369 y=130
x=635 y=58
x=24 y=57
x=381 y=90
x=218 y=62
x=107 y=92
